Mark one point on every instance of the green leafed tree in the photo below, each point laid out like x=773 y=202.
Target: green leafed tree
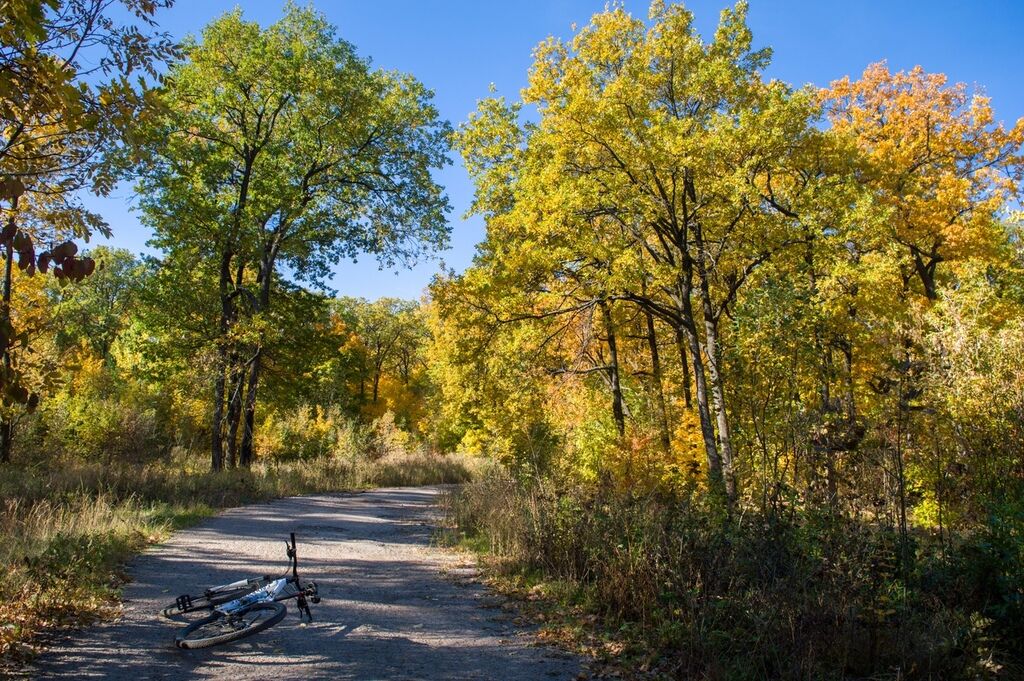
x=97 y=313
x=281 y=152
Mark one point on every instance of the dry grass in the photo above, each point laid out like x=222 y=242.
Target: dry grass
x=62 y=557
x=411 y=469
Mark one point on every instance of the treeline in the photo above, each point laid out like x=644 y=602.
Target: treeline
x=784 y=280
x=792 y=313
x=117 y=387
x=277 y=152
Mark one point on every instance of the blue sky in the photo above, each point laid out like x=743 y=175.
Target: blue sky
x=459 y=47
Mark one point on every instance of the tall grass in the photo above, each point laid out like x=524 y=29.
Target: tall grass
x=696 y=594
x=69 y=529
x=61 y=559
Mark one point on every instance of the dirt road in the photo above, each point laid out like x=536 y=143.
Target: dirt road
x=391 y=608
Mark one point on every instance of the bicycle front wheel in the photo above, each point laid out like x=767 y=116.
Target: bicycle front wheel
x=219 y=628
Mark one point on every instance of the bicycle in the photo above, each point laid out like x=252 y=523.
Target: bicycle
x=243 y=608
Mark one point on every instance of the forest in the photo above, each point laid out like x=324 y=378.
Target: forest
x=733 y=383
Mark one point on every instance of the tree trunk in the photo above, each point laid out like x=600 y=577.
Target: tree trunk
x=217 y=429
x=901 y=483
x=688 y=329
x=613 y=370
x=235 y=381
x=227 y=310
x=406 y=362
x=264 y=280
x=7 y=421
x=6 y=439
x=850 y=400
x=659 y=389
x=717 y=390
x=236 y=378
x=681 y=344
x=823 y=443
x=217 y=434
x=247 y=453
x=926 y=271
x=714 y=364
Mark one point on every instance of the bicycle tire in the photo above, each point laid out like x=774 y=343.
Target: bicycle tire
x=273 y=612
x=205 y=602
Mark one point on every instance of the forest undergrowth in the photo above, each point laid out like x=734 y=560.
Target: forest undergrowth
x=670 y=587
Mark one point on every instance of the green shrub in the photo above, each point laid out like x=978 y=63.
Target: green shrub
x=386 y=438
x=307 y=432
x=97 y=416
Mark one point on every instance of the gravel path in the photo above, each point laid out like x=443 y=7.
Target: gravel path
x=393 y=607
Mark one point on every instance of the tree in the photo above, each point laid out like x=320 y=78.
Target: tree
x=935 y=159
x=67 y=111
x=388 y=332
x=662 y=171
x=98 y=310
x=280 y=148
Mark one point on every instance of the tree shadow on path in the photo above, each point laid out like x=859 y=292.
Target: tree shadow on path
x=386 y=613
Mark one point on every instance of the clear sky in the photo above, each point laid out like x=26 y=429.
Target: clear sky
x=459 y=47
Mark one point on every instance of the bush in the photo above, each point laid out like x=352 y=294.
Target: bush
x=105 y=430
x=97 y=415
x=308 y=432
x=755 y=596
x=387 y=438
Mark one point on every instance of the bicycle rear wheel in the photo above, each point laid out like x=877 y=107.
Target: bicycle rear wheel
x=219 y=628
x=204 y=602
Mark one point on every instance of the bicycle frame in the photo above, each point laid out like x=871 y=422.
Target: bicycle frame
x=270 y=592
x=274 y=591
x=257 y=589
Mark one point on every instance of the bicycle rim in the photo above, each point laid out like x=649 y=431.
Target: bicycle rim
x=219 y=628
